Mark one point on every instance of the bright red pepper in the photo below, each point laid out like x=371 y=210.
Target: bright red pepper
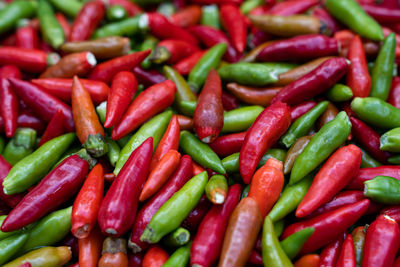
x=144 y=106
x=176 y=50
x=228 y=144
x=129 y=6
x=87 y=20
x=301 y=109
x=382 y=242
x=54 y=128
x=196 y=216
x=63 y=23
x=27 y=37
x=394 y=95
x=328 y=225
x=123 y=88
x=185 y=65
x=57 y=187
x=10 y=200
x=30 y=60
x=330 y=253
x=118 y=208
x=207 y=243
x=187 y=16
x=292 y=7
x=41 y=102
x=90 y=248
x=234 y=24
x=366 y=174
x=265 y=131
x=347 y=257
x=382 y=14
x=155 y=257
x=314 y=83
x=148 y=77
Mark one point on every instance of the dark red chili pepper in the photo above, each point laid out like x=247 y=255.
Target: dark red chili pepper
x=302 y=47
x=301 y=109
x=9 y=40
x=393 y=212
x=144 y=106
x=186 y=65
x=8 y=99
x=324 y=16
x=347 y=257
x=369 y=139
x=394 y=95
x=10 y=200
x=228 y=144
x=266 y=130
x=229 y=101
x=42 y=103
x=30 y=60
x=171 y=51
x=129 y=6
x=29 y=120
x=123 y=88
x=177 y=180
x=63 y=23
x=195 y=217
x=233 y=22
x=106 y=70
x=135 y=260
x=366 y=174
x=57 y=187
x=185 y=123
x=61 y=88
x=292 y=7
x=382 y=14
x=252 y=95
x=382 y=241
x=27 y=37
x=54 y=128
x=118 y=209
x=87 y=20
x=314 y=83
x=187 y=16
x=207 y=243
x=148 y=77
x=330 y=254
x=328 y=225
x=255 y=258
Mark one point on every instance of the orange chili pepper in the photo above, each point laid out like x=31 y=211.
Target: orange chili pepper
x=90 y=248
x=310 y=260
x=185 y=123
x=197 y=168
x=252 y=95
x=187 y=16
x=155 y=257
x=114 y=253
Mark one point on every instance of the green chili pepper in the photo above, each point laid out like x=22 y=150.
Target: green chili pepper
x=72 y=150
x=245 y=192
x=210 y=60
x=101 y=111
x=175 y=210
x=149 y=42
x=34 y=167
x=293 y=243
x=290 y=198
x=180 y=258
x=240 y=119
x=394 y=159
x=254 y=74
x=339 y=93
x=15 y=11
x=321 y=145
x=11 y=245
x=210 y=16
x=52 y=31
x=70 y=8
x=376 y=112
x=358 y=241
x=367 y=161
x=278 y=227
x=116 y=13
x=200 y=152
x=2 y=144
x=279 y=67
x=303 y=124
x=20 y=146
x=272 y=252
x=155 y=128
x=381 y=78
x=166 y=9
x=276 y=153
x=177 y=238
x=383 y=189
x=127 y=27
x=187 y=107
x=113 y=151
x=249 y=5
x=217 y=189
x=350 y=13
x=50 y=229
x=4 y=235
x=390 y=141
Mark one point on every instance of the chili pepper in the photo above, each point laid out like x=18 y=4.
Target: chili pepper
x=171 y=51
x=323 y=15
x=330 y=253
x=358 y=235
x=232 y=20
x=293 y=243
x=71 y=9
x=241 y=233
x=90 y=248
x=302 y=108
x=240 y=119
x=210 y=60
x=116 y=13
x=294 y=152
x=28 y=120
x=228 y=144
x=333 y=134
x=382 y=14
x=394 y=98
x=367 y=161
x=8 y=99
x=20 y=146
x=210 y=16
x=253 y=96
x=382 y=189
x=43 y=104
x=10 y=200
x=369 y=173
x=155 y=257
x=125 y=27
x=185 y=65
x=187 y=16
x=347 y=255
x=154 y=128
x=185 y=123
x=47 y=256
x=14 y=11
x=292 y=7
x=11 y=245
x=384 y=115
x=339 y=93
x=186 y=198
x=130 y=7
x=54 y=129
x=26 y=35
x=148 y=77
x=302 y=47
x=381 y=242
x=330 y=114
x=248 y=74
x=267 y=128
x=247 y=6
x=216 y=189
x=229 y=101
x=351 y=14
x=179 y=258
x=114 y=253
x=309 y=260
x=123 y=88
x=313 y=83
x=193 y=220
x=62 y=20
x=51 y=30
x=390 y=140
x=177 y=238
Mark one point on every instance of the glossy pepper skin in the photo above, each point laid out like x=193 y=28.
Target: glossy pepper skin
x=10 y=200
x=390 y=140
x=87 y=20
x=46 y=256
x=266 y=130
x=382 y=189
x=294 y=152
x=90 y=248
x=228 y=144
x=347 y=255
x=253 y=96
x=171 y=51
x=54 y=129
x=394 y=95
x=30 y=60
x=14 y=11
x=124 y=192
x=51 y=30
x=366 y=174
x=330 y=254
x=232 y=20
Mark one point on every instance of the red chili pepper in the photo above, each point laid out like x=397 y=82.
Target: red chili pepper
x=187 y=16
x=42 y=103
x=228 y=144
x=393 y=212
x=218 y=2
x=87 y=203
x=301 y=109
x=30 y=60
x=87 y=20
x=135 y=260
x=265 y=131
x=155 y=257
x=330 y=253
x=347 y=257
x=369 y=139
x=123 y=88
x=196 y=216
x=309 y=260
x=207 y=243
x=106 y=71
x=27 y=37
x=233 y=22
x=383 y=14
x=382 y=242
x=148 y=77
x=324 y=16
x=185 y=123
x=54 y=128
x=302 y=47
x=177 y=49
x=185 y=65
x=8 y=99
x=118 y=208
x=255 y=258
x=90 y=248
x=328 y=225
x=27 y=119
x=292 y=7
x=9 y=40
x=179 y=178
x=61 y=88
x=366 y=174
x=340 y=168
x=229 y=101
x=313 y=83
x=144 y=106
x=129 y=6
x=161 y=28
x=394 y=95
x=63 y=23
x=358 y=78
x=169 y=141
x=10 y=200
x=208 y=117
x=397 y=262
x=57 y=187
x=253 y=95
x=197 y=168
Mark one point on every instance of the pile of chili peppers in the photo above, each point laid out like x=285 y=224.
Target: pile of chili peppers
x=200 y=132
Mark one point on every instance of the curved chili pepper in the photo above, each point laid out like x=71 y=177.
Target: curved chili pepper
x=54 y=128
x=358 y=240
x=301 y=109
x=330 y=253
x=185 y=66
x=265 y=131
x=294 y=152
x=51 y=30
x=148 y=77
x=185 y=123
x=228 y=144
x=62 y=20
x=187 y=16
x=155 y=257
x=309 y=260
x=253 y=96
x=56 y=256
x=347 y=255
x=90 y=248
x=366 y=174
x=87 y=203
x=114 y=253
x=254 y=74
x=170 y=51
x=123 y=88
x=87 y=20
x=229 y=101
x=10 y=200
x=323 y=15
x=394 y=95
x=130 y=7
x=28 y=120
x=216 y=188
x=27 y=37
